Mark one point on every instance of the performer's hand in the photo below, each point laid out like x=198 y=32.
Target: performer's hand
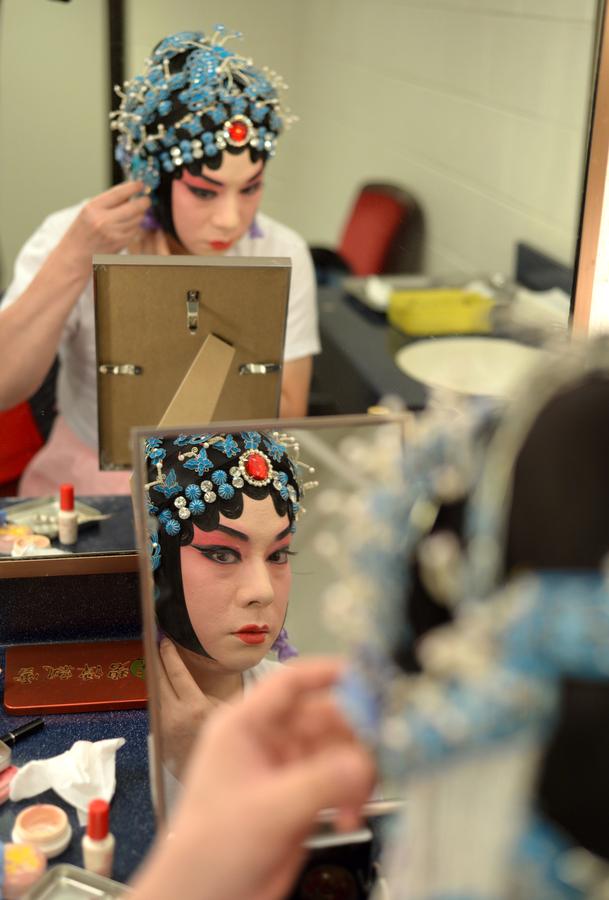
x=184 y=707
x=261 y=771
x=107 y=223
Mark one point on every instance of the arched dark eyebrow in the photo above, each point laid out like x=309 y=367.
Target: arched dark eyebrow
x=244 y=537
x=233 y=532
x=221 y=183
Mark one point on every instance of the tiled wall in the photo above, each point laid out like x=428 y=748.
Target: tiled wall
x=53 y=93
x=477 y=106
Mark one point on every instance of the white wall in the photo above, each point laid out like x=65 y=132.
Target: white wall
x=478 y=106
x=53 y=98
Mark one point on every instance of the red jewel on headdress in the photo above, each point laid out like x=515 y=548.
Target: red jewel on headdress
x=238 y=132
x=257 y=467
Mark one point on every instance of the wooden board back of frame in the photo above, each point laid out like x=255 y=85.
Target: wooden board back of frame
x=152 y=316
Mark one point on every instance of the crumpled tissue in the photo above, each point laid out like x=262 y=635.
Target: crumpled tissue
x=82 y=773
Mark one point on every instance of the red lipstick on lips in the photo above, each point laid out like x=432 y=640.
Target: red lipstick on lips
x=252 y=634
x=220 y=245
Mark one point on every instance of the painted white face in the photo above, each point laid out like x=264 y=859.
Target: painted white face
x=213 y=210
x=237 y=582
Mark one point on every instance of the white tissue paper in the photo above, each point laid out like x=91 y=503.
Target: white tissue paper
x=82 y=773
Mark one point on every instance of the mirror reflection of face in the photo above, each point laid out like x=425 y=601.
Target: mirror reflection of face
x=212 y=211
x=236 y=584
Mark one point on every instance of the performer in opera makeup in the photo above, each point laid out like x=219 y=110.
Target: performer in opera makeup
x=225 y=506
x=195 y=132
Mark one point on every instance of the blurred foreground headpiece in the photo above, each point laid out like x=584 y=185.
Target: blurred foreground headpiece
x=527 y=617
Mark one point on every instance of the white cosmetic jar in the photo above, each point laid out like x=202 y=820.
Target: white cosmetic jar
x=45 y=826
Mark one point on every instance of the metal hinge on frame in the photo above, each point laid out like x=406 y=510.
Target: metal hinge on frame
x=192 y=311
x=124 y=369
x=258 y=368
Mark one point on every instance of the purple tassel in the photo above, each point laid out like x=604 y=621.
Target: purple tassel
x=150 y=221
x=283 y=648
x=255 y=230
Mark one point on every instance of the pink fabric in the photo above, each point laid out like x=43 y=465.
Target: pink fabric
x=65 y=459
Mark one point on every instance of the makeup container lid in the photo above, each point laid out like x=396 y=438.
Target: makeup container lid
x=45 y=826
x=98 y=819
x=66 y=497
x=5 y=756
x=6 y=776
x=24 y=865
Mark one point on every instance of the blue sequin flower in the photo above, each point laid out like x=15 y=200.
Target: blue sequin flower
x=157 y=454
x=170 y=485
x=275 y=449
x=152 y=444
x=172 y=527
x=193 y=492
x=251 y=439
x=200 y=464
x=229 y=446
x=155 y=551
x=282 y=479
x=197 y=507
x=218 y=114
x=259 y=113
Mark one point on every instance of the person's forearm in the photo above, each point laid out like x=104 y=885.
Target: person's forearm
x=31 y=328
x=295 y=386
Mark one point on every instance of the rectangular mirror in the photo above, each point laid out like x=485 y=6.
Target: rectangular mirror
x=240 y=539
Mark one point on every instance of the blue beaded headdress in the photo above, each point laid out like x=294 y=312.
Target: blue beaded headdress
x=196 y=478
x=195 y=99
x=200 y=485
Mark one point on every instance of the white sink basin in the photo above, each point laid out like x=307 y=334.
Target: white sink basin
x=470 y=365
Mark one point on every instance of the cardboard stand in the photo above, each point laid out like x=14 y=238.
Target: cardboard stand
x=210 y=367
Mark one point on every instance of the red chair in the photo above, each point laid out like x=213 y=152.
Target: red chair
x=383 y=234
x=20 y=440
x=23 y=430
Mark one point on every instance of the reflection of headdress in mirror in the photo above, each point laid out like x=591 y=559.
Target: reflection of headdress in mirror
x=492 y=684
x=195 y=479
x=194 y=100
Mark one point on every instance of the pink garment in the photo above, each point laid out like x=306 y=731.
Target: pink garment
x=66 y=459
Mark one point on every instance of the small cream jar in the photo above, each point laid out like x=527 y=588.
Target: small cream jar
x=45 y=826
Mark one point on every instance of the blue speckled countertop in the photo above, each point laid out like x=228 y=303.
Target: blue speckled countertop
x=69 y=608
x=131 y=814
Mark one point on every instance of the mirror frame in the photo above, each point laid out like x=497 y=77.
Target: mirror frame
x=138 y=436
x=595 y=174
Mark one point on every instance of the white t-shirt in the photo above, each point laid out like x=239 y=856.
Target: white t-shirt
x=77 y=381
